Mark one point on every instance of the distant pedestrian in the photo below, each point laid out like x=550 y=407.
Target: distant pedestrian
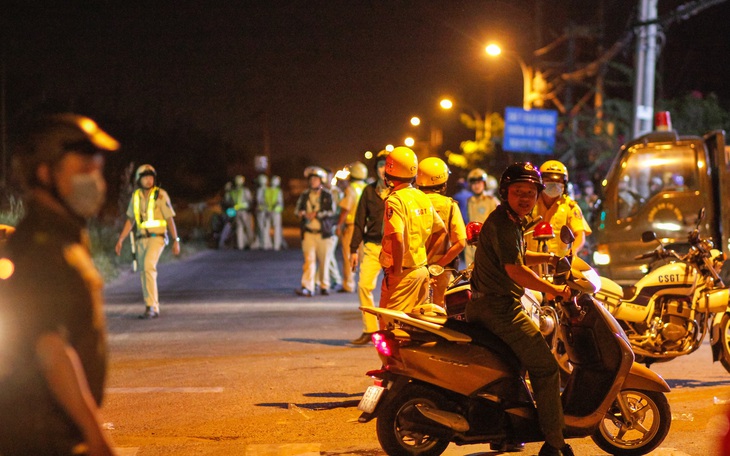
x=263 y=222
x=242 y=200
x=53 y=355
x=151 y=216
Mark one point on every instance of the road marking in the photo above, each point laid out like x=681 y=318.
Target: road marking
x=161 y=389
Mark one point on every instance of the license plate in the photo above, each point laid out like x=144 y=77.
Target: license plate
x=370 y=398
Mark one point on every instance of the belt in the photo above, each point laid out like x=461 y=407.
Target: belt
x=149 y=235
x=312 y=231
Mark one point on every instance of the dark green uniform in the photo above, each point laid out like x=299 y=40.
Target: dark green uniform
x=497 y=307
x=55 y=287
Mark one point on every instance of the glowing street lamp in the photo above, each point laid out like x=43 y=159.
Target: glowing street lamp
x=415 y=121
x=494 y=50
x=409 y=141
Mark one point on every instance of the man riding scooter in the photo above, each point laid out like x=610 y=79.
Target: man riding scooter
x=502 y=259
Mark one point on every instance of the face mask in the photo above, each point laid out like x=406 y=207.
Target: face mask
x=553 y=189
x=88 y=192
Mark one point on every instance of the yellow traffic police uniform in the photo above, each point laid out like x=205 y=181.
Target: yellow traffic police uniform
x=353 y=192
x=242 y=201
x=274 y=203
x=564 y=211
x=478 y=209
x=410 y=212
x=449 y=211
x=150 y=214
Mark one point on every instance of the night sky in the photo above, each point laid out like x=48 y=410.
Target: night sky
x=334 y=77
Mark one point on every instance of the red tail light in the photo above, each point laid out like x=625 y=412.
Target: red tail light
x=385 y=343
x=472 y=232
x=662 y=121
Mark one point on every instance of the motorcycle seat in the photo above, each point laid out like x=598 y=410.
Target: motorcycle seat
x=485 y=338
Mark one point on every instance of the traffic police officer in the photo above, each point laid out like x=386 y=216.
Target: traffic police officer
x=479 y=205
x=432 y=176
x=263 y=228
x=559 y=209
x=410 y=223
x=242 y=201
x=151 y=215
x=499 y=279
x=345 y=223
x=274 y=199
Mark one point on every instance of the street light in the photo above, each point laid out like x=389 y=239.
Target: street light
x=494 y=50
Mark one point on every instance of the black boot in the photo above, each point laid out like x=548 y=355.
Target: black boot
x=364 y=338
x=549 y=450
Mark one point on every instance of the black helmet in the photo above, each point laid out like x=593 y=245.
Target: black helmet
x=519 y=172
x=48 y=138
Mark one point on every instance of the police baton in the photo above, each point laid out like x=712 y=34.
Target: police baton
x=134 y=251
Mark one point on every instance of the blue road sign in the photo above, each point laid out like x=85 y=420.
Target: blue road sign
x=529 y=131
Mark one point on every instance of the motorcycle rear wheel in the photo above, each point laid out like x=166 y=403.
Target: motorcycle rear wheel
x=397 y=426
x=725 y=342
x=644 y=430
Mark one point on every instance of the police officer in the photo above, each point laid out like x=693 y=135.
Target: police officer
x=368 y=231
x=274 y=199
x=479 y=205
x=242 y=201
x=432 y=176
x=500 y=275
x=151 y=215
x=263 y=227
x=559 y=209
x=409 y=224
x=345 y=223
x=315 y=209
x=53 y=358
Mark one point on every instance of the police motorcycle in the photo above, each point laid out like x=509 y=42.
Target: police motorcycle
x=445 y=380
x=676 y=304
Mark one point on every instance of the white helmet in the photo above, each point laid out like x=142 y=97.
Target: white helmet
x=275 y=181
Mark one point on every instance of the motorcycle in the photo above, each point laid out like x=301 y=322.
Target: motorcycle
x=681 y=300
x=445 y=380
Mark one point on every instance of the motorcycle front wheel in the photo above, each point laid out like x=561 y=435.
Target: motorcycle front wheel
x=640 y=433
x=403 y=431
x=725 y=342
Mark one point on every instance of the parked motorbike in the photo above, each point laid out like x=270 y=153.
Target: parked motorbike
x=445 y=380
x=676 y=304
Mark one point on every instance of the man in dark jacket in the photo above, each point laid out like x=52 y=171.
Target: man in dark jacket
x=369 y=232
x=53 y=356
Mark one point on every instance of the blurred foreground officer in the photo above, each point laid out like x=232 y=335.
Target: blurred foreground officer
x=479 y=206
x=432 y=177
x=368 y=230
x=53 y=356
x=151 y=214
x=274 y=198
x=410 y=223
x=345 y=224
x=242 y=200
x=315 y=209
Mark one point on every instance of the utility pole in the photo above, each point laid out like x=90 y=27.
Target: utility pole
x=645 y=68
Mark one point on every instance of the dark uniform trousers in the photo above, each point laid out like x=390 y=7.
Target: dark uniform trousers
x=505 y=318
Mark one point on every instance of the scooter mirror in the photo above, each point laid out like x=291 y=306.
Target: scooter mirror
x=566 y=235
x=435 y=270
x=648 y=236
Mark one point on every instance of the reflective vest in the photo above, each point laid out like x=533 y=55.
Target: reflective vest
x=239 y=202
x=271 y=197
x=358 y=186
x=149 y=221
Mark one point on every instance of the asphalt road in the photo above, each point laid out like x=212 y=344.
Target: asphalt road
x=239 y=365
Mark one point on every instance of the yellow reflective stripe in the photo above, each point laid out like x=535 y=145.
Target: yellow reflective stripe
x=150 y=222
